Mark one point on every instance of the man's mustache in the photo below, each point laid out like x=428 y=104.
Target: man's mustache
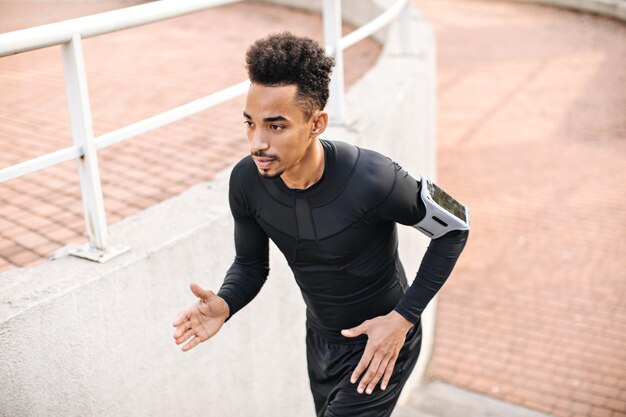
x=261 y=154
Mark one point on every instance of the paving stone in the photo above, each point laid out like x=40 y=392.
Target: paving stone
x=30 y=240
x=616 y=405
x=23 y=257
x=600 y=412
x=47 y=249
x=60 y=234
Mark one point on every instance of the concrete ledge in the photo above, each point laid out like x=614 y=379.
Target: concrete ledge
x=611 y=8
x=79 y=338
x=437 y=399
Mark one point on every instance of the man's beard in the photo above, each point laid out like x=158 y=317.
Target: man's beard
x=268 y=176
x=264 y=174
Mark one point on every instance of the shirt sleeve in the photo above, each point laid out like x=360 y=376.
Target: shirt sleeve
x=404 y=205
x=250 y=268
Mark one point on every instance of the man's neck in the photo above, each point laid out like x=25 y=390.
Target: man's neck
x=308 y=171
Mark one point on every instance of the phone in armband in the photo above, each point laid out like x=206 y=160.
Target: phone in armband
x=443 y=212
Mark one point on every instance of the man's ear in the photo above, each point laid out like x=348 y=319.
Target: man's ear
x=320 y=122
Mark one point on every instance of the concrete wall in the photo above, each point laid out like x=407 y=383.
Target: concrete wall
x=611 y=8
x=84 y=339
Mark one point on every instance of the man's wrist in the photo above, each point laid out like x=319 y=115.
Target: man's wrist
x=400 y=320
x=225 y=308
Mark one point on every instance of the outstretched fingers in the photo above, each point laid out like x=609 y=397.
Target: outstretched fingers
x=181 y=327
x=374 y=373
x=181 y=318
x=185 y=336
x=191 y=344
x=362 y=365
x=388 y=372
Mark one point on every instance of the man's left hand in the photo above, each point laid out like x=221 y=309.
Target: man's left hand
x=385 y=338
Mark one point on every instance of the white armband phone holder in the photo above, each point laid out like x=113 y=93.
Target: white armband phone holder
x=443 y=213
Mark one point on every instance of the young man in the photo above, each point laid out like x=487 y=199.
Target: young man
x=331 y=208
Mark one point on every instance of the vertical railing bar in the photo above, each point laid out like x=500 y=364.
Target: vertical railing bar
x=332 y=36
x=82 y=132
x=405 y=27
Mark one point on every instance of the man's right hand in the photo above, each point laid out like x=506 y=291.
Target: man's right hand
x=202 y=320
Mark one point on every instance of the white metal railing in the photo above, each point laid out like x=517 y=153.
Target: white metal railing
x=100 y=24
x=70 y=33
x=335 y=45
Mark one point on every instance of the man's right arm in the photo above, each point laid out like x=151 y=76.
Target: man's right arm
x=249 y=271
x=243 y=281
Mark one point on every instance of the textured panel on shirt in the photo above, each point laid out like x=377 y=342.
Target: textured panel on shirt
x=304 y=219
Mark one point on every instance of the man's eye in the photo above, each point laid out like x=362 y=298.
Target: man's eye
x=277 y=127
x=248 y=123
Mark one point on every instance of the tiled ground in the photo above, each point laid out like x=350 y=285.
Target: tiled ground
x=532 y=135
x=132 y=75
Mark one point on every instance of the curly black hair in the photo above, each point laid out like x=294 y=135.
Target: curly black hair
x=285 y=59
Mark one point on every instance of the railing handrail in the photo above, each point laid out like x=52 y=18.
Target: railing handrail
x=127 y=132
x=373 y=25
x=58 y=33
x=69 y=34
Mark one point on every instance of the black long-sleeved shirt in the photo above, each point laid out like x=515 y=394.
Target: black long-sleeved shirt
x=339 y=237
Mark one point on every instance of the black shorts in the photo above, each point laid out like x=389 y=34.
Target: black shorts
x=331 y=364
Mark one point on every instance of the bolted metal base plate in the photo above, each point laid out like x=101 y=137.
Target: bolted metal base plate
x=87 y=251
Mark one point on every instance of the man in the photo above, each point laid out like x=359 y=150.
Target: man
x=331 y=208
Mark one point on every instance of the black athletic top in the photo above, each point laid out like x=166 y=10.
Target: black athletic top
x=339 y=237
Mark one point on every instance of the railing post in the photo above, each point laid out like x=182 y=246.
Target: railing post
x=332 y=36
x=405 y=27
x=82 y=132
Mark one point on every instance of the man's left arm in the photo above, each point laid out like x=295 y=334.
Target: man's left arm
x=436 y=267
x=386 y=334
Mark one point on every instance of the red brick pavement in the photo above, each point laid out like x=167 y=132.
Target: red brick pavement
x=532 y=129
x=531 y=136
x=132 y=75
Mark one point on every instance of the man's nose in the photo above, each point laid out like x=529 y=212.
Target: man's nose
x=258 y=142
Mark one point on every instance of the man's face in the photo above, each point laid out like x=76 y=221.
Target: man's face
x=279 y=133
